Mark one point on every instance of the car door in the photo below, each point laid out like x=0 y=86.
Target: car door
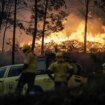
x=43 y=80
x=12 y=78
x=2 y=77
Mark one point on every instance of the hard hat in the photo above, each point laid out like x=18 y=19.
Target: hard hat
x=26 y=47
x=59 y=55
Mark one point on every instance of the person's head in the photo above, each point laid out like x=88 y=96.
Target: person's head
x=59 y=57
x=26 y=48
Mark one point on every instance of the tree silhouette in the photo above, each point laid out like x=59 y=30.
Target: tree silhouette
x=50 y=14
x=52 y=23
x=2 y=12
x=44 y=25
x=8 y=12
x=86 y=20
x=14 y=33
x=100 y=4
x=35 y=25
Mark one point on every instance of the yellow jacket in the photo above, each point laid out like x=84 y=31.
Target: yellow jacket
x=60 y=70
x=31 y=60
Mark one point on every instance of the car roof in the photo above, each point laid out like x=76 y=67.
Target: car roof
x=12 y=65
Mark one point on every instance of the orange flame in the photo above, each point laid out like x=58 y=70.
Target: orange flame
x=59 y=37
x=96 y=41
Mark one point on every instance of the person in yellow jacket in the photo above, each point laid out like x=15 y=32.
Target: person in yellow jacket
x=62 y=71
x=29 y=69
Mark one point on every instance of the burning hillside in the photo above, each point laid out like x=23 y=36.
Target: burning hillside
x=72 y=46
x=72 y=42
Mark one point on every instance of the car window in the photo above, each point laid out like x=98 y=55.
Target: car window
x=2 y=71
x=40 y=72
x=15 y=71
x=41 y=67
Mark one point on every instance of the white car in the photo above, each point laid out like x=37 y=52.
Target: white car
x=9 y=76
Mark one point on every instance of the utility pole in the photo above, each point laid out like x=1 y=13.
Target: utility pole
x=44 y=25
x=86 y=21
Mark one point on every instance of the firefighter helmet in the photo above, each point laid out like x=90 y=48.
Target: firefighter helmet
x=59 y=55
x=26 y=47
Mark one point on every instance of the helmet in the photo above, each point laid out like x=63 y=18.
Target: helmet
x=26 y=47
x=59 y=55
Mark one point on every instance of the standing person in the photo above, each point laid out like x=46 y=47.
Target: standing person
x=29 y=70
x=62 y=71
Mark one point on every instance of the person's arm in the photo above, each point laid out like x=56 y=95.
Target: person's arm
x=50 y=74
x=27 y=60
x=25 y=66
x=50 y=71
x=70 y=71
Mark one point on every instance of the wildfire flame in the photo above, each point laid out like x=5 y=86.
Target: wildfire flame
x=59 y=37
x=22 y=44
x=75 y=39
